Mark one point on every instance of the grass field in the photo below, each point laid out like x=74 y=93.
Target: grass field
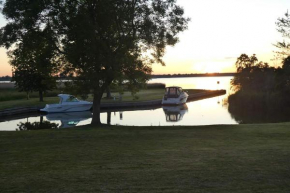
x=243 y=158
x=8 y=94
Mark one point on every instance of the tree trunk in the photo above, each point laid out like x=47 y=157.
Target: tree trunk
x=109 y=96
x=41 y=119
x=40 y=96
x=109 y=117
x=27 y=95
x=96 y=120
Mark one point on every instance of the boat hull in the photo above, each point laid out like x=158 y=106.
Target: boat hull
x=175 y=101
x=69 y=119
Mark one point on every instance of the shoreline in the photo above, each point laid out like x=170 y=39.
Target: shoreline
x=120 y=105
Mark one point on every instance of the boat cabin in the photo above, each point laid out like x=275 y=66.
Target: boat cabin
x=173 y=92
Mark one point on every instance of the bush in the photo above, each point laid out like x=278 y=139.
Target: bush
x=36 y=126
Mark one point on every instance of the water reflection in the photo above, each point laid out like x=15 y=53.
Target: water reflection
x=69 y=119
x=202 y=112
x=175 y=113
x=249 y=110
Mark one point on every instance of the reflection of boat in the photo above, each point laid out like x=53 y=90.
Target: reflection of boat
x=67 y=103
x=69 y=119
x=174 y=96
x=175 y=113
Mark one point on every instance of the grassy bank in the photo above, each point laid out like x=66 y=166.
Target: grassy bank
x=9 y=94
x=243 y=158
x=150 y=94
x=143 y=95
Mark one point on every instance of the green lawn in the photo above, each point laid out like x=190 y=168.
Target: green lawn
x=243 y=158
x=150 y=94
x=7 y=94
x=32 y=102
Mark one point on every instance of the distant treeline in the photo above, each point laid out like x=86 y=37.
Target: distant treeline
x=192 y=75
x=5 y=78
x=62 y=77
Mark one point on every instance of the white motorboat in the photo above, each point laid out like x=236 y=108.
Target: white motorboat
x=174 y=96
x=67 y=103
x=175 y=113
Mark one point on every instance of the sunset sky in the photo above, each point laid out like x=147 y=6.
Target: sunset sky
x=219 y=31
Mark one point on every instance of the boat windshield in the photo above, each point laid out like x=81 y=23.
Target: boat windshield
x=72 y=99
x=172 y=91
x=175 y=117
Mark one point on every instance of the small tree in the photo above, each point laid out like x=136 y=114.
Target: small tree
x=253 y=75
x=283 y=25
x=24 y=81
x=244 y=61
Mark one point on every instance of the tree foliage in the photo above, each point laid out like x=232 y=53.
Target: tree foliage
x=283 y=25
x=244 y=61
x=261 y=91
x=253 y=75
x=32 y=51
x=24 y=80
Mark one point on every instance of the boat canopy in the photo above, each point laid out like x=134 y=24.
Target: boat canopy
x=67 y=98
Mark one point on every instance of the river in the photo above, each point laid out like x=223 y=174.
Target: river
x=210 y=111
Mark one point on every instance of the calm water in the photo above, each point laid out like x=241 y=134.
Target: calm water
x=203 y=112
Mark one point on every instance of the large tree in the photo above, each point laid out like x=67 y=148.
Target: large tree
x=31 y=44
x=34 y=63
x=105 y=40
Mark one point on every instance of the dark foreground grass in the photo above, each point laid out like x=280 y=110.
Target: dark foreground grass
x=244 y=158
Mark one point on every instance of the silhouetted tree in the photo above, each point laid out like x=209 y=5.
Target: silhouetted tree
x=106 y=40
x=31 y=47
x=24 y=80
x=253 y=75
x=261 y=91
x=283 y=25
x=284 y=76
x=244 y=61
